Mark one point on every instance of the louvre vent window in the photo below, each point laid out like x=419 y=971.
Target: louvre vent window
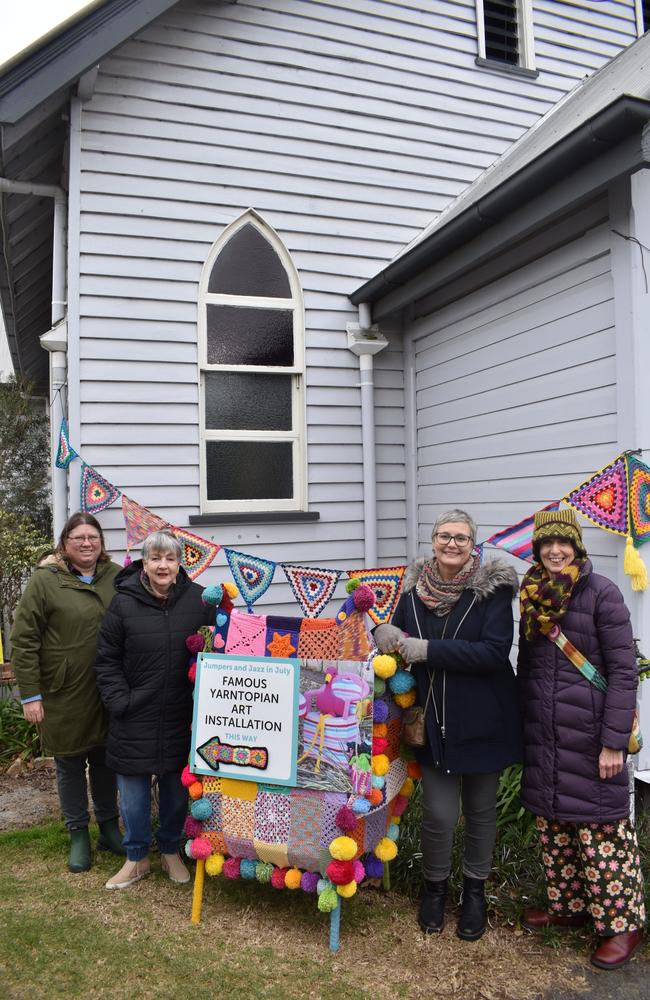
x=645 y=13
x=501 y=31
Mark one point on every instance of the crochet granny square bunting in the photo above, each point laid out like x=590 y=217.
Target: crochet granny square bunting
x=197 y=552
x=139 y=522
x=96 y=492
x=638 y=489
x=386 y=583
x=518 y=538
x=66 y=452
x=312 y=586
x=252 y=575
x=603 y=498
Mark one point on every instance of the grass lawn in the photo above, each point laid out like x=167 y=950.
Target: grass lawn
x=64 y=935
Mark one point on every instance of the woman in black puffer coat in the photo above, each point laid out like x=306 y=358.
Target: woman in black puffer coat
x=142 y=665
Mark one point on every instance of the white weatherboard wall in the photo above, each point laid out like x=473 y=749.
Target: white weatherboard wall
x=348 y=128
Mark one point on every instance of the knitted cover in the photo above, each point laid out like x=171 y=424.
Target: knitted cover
x=311 y=586
x=65 y=452
x=96 y=493
x=638 y=483
x=197 y=553
x=603 y=498
x=386 y=583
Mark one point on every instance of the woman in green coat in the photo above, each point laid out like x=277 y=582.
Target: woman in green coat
x=54 y=641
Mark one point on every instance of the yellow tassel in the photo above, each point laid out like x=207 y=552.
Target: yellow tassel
x=634 y=566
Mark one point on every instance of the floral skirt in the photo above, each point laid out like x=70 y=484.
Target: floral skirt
x=594 y=868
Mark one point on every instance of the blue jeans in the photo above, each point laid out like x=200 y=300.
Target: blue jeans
x=135 y=807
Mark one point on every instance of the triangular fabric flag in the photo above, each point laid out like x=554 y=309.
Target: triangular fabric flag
x=312 y=586
x=66 y=452
x=96 y=493
x=252 y=575
x=197 y=554
x=518 y=538
x=139 y=522
x=603 y=498
x=638 y=492
x=386 y=583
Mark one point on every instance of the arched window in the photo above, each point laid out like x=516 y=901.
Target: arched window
x=251 y=362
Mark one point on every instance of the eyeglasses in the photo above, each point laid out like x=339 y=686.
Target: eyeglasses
x=445 y=538
x=78 y=539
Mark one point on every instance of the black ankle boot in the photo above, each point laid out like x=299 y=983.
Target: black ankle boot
x=473 y=914
x=431 y=915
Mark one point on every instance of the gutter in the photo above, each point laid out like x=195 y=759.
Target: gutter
x=596 y=136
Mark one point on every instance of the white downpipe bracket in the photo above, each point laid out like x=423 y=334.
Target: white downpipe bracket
x=365 y=341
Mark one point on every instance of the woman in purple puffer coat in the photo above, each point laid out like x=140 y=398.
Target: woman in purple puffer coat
x=575 y=742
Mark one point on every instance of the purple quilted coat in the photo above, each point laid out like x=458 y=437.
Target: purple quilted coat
x=567 y=720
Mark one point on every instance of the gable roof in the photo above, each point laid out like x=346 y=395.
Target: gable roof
x=595 y=116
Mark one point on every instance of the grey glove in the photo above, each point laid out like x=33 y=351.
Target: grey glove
x=387 y=637
x=413 y=650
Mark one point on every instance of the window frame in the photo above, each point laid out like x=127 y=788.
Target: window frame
x=298 y=433
x=525 y=37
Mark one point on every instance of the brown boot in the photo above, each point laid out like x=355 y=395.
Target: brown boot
x=536 y=920
x=614 y=951
x=174 y=868
x=129 y=873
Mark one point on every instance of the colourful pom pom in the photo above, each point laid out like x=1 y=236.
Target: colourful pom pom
x=201 y=809
x=347 y=890
x=380 y=764
x=396 y=819
x=192 y=827
x=406 y=699
x=346 y=820
x=399 y=805
x=380 y=729
x=231 y=589
x=386 y=849
x=384 y=665
x=401 y=682
x=359 y=871
x=247 y=868
x=292 y=878
x=378 y=781
x=407 y=788
x=231 y=868
x=393 y=832
x=340 y=872
x=352 y=585
x=375 y=797
x=309 y=881
x=278 y=877
x=187 y=778
x=264 y=872
x=361 y=806
x=212 y=595
x=214 y=864
x=363 y=597
x=379 y=711
x=379 y=746
x=201 y=848
x=194 y=643
x=196 y=790
x=343 y=848
x=379 y=687
x=328 y=901
x=374 y=867
x=188 y=848
x=191 y=673
x=128 y=561
x=323 y=885
x=413 y=769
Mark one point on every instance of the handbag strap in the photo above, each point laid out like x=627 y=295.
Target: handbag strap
x=575 y=657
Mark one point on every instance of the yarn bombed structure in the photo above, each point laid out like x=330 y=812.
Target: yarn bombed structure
x=320 y=840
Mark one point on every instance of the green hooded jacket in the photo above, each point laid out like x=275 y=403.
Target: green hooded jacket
x=53 y=646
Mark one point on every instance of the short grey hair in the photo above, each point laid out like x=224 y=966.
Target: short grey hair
x=455 y=515
x=160 y=542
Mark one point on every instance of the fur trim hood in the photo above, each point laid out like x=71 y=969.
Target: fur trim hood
x=488 y=578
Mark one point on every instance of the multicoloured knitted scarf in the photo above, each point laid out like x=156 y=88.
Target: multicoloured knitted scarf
x=545 y=597
x=439 y=595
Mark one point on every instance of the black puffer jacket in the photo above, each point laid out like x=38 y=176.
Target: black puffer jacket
x=142 y=665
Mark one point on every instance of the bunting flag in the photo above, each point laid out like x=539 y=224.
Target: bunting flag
x=139 y=522
x=518 y=538
x=197 y=553
x=603 y=498
x=96 y=492
x=66 y=452
x=638 y=492
x=386 y=583
x=312 y=586
x=252 y=575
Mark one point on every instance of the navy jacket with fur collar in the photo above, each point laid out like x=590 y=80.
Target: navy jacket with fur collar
x=474 y=680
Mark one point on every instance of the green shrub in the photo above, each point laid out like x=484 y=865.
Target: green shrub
x=18 y=737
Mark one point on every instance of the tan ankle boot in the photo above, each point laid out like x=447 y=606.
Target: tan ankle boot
x=129 y=873
x=174 y=868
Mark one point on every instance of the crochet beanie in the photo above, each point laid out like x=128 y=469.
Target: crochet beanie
x=557 y=524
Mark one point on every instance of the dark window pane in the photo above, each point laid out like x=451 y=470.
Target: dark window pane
x=249 y=470
x=501 y=41
x=645 y=8
x=244 y=401
x=249 y=336
x=248 y=265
